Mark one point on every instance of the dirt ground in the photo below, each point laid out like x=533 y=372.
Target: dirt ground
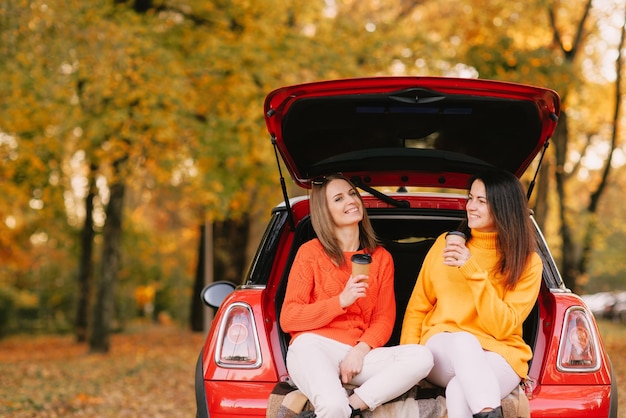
x=148 y=373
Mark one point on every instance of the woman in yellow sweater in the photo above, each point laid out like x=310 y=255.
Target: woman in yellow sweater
x=339 y=322
x=471 y=299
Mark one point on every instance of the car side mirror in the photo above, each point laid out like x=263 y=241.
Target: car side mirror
x=214 y=294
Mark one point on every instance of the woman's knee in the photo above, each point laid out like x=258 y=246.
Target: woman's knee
x=420 y=358
x=332 y=408
x=466 y=339
x=411 y=361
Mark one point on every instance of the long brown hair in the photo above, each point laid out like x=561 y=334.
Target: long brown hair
x=517 y=238
x=323 y=224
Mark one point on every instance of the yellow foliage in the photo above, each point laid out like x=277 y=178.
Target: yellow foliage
x=26 y=299
x=176 y=97
x=144 y=295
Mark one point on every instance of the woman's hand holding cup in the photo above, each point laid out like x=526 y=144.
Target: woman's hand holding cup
x=454 y=254
x=357 y=284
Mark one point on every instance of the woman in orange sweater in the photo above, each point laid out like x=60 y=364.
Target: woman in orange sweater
x=339 y=322
x=470 y=300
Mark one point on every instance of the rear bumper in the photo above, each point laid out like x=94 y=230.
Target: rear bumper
x=250 y=399
x=202 y=409
x=573 y=401
x=236 y=399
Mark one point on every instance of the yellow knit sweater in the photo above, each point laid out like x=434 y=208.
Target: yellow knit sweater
x=472 y=298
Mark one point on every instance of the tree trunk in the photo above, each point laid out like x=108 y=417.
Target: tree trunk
x=569 y=254
x=197 y=307
x=230 y=243
x=230 y=240
x=568 y=250
x=85 y=264
x=104 y=311
x=594 y=199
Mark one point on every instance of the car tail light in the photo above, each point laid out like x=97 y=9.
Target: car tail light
x=238 y=341
x=578 y=349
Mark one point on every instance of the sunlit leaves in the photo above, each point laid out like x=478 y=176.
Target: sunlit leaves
x=176 y=92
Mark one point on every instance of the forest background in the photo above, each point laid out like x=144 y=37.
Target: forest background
x=130 y=131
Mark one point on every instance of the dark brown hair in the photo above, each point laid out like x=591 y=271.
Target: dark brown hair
x=323 y=224
x=508 y=205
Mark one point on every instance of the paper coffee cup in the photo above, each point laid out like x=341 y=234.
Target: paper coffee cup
x=361 y=264
x=455 y=236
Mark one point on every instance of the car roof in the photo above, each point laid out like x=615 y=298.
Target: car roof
x=409 y=131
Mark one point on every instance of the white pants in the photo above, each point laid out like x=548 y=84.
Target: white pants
x=313 y=364
x=474 y=378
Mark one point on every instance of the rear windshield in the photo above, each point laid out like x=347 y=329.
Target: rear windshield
x=499 y=132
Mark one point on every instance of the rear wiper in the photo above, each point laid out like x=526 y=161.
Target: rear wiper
x=387 y=199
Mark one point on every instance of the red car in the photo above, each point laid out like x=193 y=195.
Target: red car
x=410 y=144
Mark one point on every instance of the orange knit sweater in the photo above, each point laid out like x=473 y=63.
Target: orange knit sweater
x=312 y=298
x=472 y=299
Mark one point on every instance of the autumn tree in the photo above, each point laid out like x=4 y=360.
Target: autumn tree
x=128 y=126
x=545 y=44
x=571 y=30
x=135 y=119
x=32 y=199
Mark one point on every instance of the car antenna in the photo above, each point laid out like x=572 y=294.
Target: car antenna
x=534 y=180
x=292 y=223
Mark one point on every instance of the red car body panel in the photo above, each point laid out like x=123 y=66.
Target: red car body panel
x=238 y=399
x=244 y=391
x=552 y=322
x=267 y=371
x=556 y=394
x=553 y=394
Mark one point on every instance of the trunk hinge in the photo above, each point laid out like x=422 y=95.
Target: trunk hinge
x=534 y=180
x=292 y=223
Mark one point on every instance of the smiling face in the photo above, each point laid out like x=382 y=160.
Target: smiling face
x=343 y=202
x=479 y=217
